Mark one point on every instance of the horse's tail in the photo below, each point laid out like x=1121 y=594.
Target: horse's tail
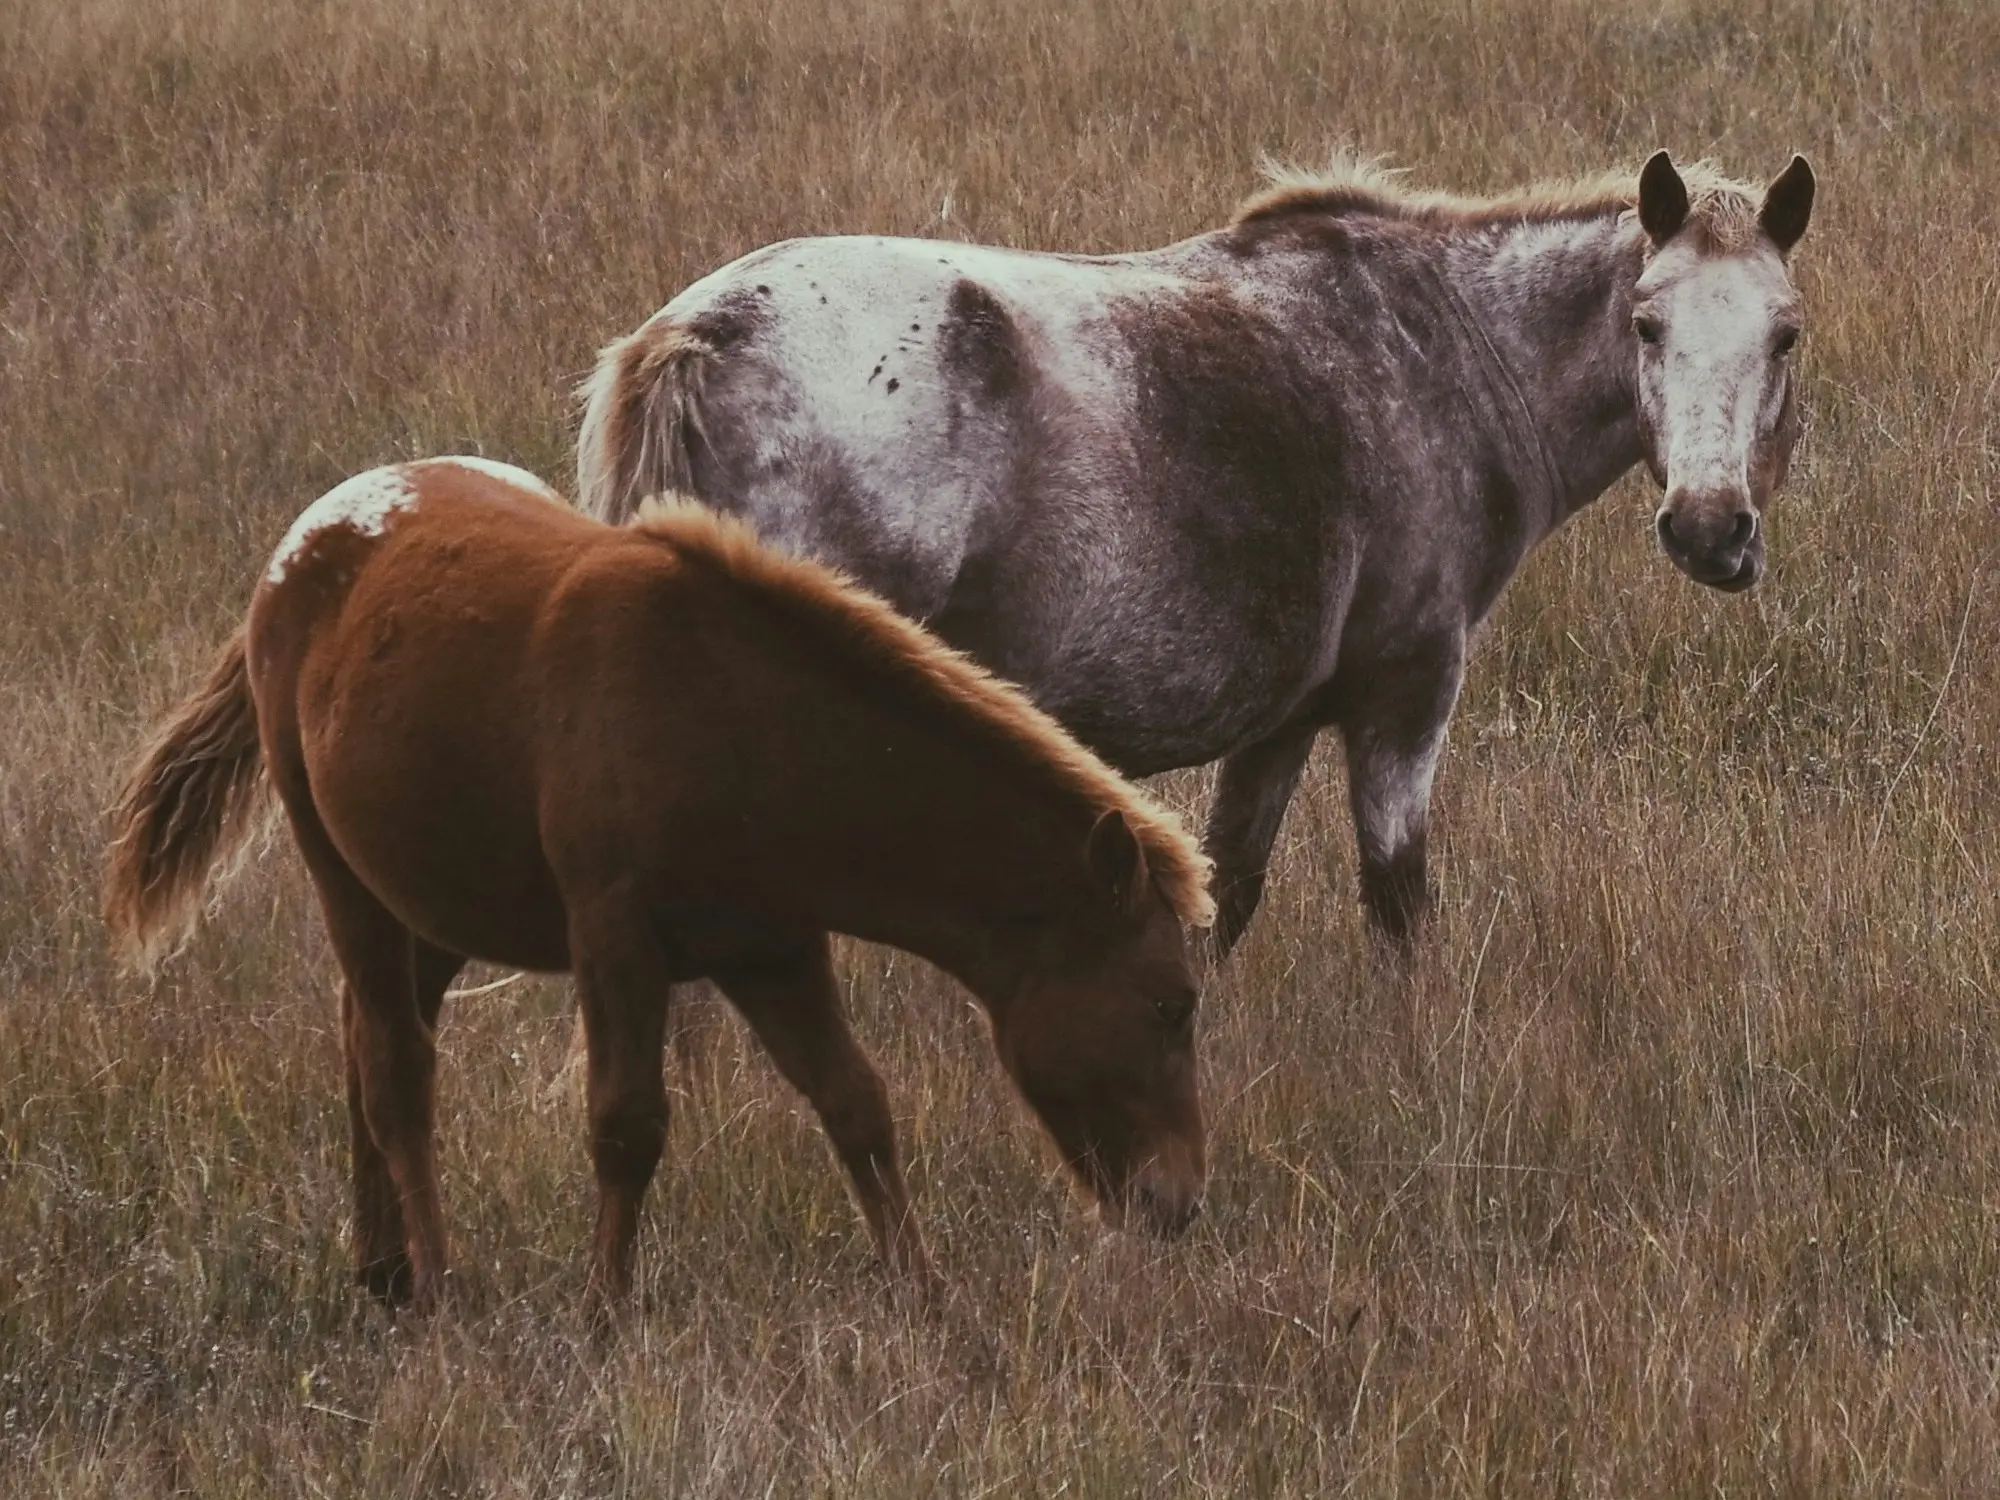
x=641 y=419
x=192 y=802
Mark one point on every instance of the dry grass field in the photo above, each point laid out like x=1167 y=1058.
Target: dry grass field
x=1673 y=1168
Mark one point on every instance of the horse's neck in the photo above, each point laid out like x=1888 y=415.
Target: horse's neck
x=943 y=847
x=1553 y=300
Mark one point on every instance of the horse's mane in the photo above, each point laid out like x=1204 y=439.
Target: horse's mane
x=960 y=685
x=1719 y=206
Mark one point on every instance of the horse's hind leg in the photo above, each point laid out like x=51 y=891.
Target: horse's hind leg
x=389 y=1005
x=392 y=1059
x=792 y=1002
x=624 y=988
x=382 y=1259
x=381 y=1252
x=1251 y=796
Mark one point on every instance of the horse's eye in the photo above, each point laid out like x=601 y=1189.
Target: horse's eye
x=1648 y=328
x=1784 y=343
x=1176 y=1007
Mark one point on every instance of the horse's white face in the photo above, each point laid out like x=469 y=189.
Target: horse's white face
x=1717 y=412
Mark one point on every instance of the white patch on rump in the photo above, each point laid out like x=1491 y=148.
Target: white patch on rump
x=362 y=504
x=492 y=468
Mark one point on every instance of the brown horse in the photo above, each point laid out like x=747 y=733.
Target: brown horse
x=649 y=754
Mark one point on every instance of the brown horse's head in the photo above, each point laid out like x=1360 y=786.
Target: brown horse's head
x=1098 y=1032
x=1714 y=319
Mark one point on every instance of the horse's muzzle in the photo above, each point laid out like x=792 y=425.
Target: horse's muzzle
x=1158 y=1204
x=1717 y=541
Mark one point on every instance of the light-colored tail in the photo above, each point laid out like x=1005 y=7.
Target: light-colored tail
x=191 y=803
x=641 y=419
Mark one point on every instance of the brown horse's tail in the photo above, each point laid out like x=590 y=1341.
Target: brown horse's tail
x=192 y=802
x=641 y=419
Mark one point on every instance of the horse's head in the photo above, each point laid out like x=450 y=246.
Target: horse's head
x=1714 y=321
x=1098 y=1032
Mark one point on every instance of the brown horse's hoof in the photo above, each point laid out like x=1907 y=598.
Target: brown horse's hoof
x=390 y=1280
x=609 y=1315
x=393 y=1282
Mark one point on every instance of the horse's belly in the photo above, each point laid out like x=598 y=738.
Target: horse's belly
x=463 y=883
x=1170 y=702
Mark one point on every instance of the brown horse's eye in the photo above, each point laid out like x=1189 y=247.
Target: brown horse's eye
x=1784 y=343
x=1648 y=328
x=1175 y=1008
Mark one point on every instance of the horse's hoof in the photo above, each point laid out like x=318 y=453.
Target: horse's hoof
x=608 y=1320
x=389 y=1280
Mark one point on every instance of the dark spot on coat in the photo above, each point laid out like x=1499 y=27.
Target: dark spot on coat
x=977 y=341
x=763 y=291
x=734 y=317
x=893 y=383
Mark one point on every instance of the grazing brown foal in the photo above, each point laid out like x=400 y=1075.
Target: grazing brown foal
x=649 y=754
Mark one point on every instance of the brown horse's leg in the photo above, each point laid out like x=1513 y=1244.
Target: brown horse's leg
x=380 y=1252
x=794 y=1007
x=624 y=988
x=386 y=1034
x=382 y=1260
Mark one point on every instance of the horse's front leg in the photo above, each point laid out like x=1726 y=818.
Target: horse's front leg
x=1393 y=742
x=792 y=1001
x=624 y=985
x=1251 y=795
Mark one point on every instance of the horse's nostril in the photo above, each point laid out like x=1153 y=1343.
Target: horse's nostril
x=1664 y=523
x=1745 y=528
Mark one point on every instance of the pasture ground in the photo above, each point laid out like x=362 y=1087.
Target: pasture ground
x=1673 y=1169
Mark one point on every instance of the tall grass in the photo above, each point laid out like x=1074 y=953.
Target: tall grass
x=1674 y=1167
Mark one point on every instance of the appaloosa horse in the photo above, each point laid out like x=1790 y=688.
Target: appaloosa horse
x=503 y=730
x=1205 y=500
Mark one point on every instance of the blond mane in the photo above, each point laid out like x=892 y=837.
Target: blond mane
x=1174 y=858
x=1719 y=207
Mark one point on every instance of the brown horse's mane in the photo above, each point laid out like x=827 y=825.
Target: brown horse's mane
x=957 y=683
x=1721 y=208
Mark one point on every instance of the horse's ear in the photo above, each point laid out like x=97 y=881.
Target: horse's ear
x=1118 y=862
x=1663 y=199
x=1788 y=205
